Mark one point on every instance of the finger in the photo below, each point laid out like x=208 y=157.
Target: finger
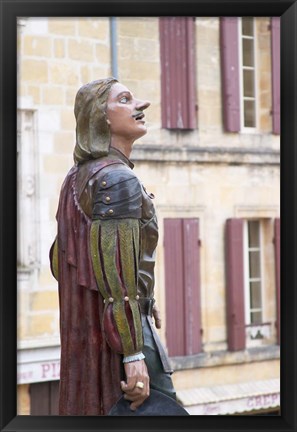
x=157 y=318
x=158 y=323
x=132 y=397
x=130 y=385
x=134 y=405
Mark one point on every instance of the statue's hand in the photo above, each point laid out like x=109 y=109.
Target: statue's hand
x=136 y=372
x=157 y=317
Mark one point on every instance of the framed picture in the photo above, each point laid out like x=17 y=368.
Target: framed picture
x=11 y=12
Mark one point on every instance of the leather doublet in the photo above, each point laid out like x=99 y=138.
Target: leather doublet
x=117 y=194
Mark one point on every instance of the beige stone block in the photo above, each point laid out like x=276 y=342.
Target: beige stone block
x=263 y=42
x=34 y=92
x=64 y=142
x=262 y=25
x=21 y=89
x=45 y=277
x=209 y=97
x=103 y=53
x=59 y=48
x=265 y=123
x=42 y=324
x=127 y=47
x=62 y=26
x=44 y=301
x=138 y=27
x=37 y=46
x=80 y=50
x=265 y=99
x=265 y=83
x=62 y=73
x=229 y=374
x=35 y=71
x=265 y=62
x=207 y=37
x=95 y=28
x=210 y=116
x=99 y=72
x=146 y=50
x=136 y=69
x=85 y=74
x=151 y=28
x=56 y=164
x=70 y=95
x=23 y=399
x=53 y=95
x=68 y=119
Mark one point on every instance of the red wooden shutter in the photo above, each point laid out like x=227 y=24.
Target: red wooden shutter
x=182 y=284
x=275 y=56
x=235 y=285
x=175 y=309
x=178 y=76
x=230 y=73
x=192 y=303
x=277 y=273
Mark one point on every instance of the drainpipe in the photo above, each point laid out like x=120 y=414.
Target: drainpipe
x=113 y=47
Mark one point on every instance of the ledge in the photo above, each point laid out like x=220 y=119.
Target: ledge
x=210 y=155
x=224 y=358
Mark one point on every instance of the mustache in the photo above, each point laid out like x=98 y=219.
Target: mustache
x=138 y=113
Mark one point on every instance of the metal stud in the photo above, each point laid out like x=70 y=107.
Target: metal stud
x=126 y=298
x=107 y=199
x=103 y=183
x=110 y=299
x=137 y=297
x=110 y=211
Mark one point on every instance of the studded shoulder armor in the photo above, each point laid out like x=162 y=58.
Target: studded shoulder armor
x=117 y=194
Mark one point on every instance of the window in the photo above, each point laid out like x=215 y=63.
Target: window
x=182 y=286
x=252 y=270
x=247 y=72
x=245 y=294
x=257 y=331
x=178 y=76
x=239 y=73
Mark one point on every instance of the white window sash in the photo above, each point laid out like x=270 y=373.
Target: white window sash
x=243 y=128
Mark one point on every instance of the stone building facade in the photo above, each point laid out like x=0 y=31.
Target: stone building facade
x=209 y=183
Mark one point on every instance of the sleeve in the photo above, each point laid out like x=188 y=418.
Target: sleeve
x=115 y=249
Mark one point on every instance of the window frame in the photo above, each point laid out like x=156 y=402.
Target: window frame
x=247 y=296
x=28 y=241
x=245 y=129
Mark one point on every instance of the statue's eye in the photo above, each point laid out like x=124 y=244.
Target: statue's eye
x=124 y=99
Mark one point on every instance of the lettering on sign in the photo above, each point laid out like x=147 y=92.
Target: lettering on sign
x=38 y=372
x=262 y=401
x=50 y=370
x=24 y=376
x=211 y=409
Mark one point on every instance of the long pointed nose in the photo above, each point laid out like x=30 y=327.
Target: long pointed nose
x=142 y=105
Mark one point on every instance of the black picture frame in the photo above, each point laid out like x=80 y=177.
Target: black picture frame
x=10 y=10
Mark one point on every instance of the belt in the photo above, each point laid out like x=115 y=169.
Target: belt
x=146 y=305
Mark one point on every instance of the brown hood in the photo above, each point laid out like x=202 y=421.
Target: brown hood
x=92 y=130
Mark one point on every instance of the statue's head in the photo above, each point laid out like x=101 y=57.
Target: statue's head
x=92 y=129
